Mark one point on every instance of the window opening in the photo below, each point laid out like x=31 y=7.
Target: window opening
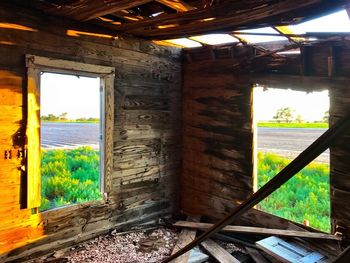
x=288 y=122
x=71 y=139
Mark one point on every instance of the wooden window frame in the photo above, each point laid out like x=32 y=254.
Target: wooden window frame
x=35 y=66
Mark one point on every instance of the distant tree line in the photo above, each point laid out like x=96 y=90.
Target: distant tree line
x=287 y=115
x=63 y=117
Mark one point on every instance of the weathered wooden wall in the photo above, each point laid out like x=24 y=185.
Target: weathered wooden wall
x=217 y=138
x=339 y=161
x=146 y=163
x=217 y=129
x=340 y=152
x=330 y=60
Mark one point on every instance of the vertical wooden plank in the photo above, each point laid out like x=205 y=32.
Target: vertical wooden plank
x=108 y=132
x=254 y=129
x=33 y=135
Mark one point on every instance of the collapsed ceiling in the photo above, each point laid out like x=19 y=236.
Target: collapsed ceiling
x=169 y=19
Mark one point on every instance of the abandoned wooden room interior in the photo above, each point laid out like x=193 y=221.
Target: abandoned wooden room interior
x=130 y=132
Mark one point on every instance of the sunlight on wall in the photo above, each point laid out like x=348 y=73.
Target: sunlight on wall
x=75 y=33
x=9 y=43
x=17 y=27
x=28 y=229
x=18 y=227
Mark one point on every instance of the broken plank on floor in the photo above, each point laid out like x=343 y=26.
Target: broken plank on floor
x=259 y=230
x=219 y=253
x=186 y=236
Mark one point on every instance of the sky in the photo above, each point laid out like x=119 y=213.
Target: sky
x=311 y=106
x=335 y=22
x=78 y=96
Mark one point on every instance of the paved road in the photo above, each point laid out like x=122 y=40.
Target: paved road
x=289 y=142
x=69 y=135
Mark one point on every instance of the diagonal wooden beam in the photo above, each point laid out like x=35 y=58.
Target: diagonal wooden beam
x=284 y=31
x=178 y=5
x=315 y=149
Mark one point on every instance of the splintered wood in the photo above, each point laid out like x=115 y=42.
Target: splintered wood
x=220 y=254
x=186 y=236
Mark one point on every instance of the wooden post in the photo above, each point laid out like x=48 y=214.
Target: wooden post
x=33 y=136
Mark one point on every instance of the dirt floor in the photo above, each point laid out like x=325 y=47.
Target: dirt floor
x=150 y=246
x=139 y=246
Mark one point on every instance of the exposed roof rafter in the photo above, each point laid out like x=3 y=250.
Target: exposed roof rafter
x=85 y=10
x=178 y=5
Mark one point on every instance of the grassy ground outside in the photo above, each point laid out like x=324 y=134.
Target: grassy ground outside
x=72 y=176
x=304 y=197
x=69 y=177
x=293 y=125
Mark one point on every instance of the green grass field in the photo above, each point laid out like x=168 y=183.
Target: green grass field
x=69 y=177
x=72 y=176
x=292 y=125
x=304 y=197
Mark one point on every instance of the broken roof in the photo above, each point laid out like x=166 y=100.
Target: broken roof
x=194 y=23
x=164 y=19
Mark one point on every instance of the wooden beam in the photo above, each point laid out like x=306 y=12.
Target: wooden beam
x=259 y=230
x=295 y=82
x=178 y=5
x=127 y=16
x=220 y=254
x=284 y=31
x=229 y=16
x=303 y=159
x=89 y=9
